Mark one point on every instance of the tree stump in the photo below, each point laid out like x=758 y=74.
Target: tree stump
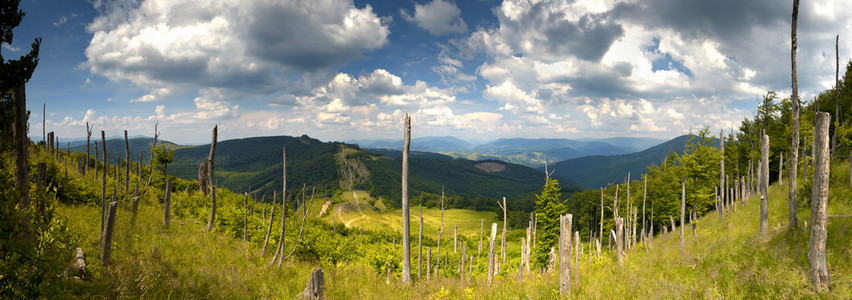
x=315 y=286
x=491 y=258
x=167 y=204
x=106 y=242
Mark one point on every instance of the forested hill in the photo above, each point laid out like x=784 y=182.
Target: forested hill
x=255 y=164
x=593 y=172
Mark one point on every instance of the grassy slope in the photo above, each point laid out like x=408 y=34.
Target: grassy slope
x=729 y=261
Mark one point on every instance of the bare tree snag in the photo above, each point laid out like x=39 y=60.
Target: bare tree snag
x=106 y=241
x=202 y=177
x=722 y=185
x=420 y=245
x=210 y=176
x=388 y=273
x=245 y=216
x=682 y=212
x=644 y=197
x=491 y=256
x=268 y=230
x=134 y=210
x=127 y=162
x=103 y=184
x=315 y=286
x=151 y=162
x=764 y=200
x=565 y=223
x=406 y=241
x=817 y=265
x=619 y=227
x=279 y=252
x=20 y=141
x=88 y=142
x=167 y=203
x=428 y=262
x=794 y=150
x=836 y=94
x=780 y=168
x=441 y=231
x=505 y=220
x=577 y=248
x=482 y=222
x=96 y=160
x=455 y=237
x=602 y=214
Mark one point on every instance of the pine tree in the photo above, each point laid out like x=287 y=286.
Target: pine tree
x=548 y=207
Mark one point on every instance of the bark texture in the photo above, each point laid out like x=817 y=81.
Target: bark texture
x=764 y=184
x=565 y=222
x=210 y=176
x=794 y=150
x=817 y=264
x=406 y=241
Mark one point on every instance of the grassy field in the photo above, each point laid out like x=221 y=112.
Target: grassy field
x=727 y=258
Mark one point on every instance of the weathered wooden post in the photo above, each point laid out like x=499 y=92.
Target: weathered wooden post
x=565 y=223
x=315 y=286
x=106 y=241
x=817 y=265
x=455 y=237
x=406 y=241
x=388 y=273
x=167 y=203
x=764 y=200
x=134 y=210
x=211 y=178
x=491 y=257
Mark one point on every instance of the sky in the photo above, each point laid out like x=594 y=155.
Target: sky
x=340 y=70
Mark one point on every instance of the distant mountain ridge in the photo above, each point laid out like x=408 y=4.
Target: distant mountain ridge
x=600 y=170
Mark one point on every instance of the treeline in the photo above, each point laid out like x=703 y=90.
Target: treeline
x=699 y=167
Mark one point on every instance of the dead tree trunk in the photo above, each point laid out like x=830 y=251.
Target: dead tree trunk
x=20 y=141
x=106 y=241
x=151 y=162
x=428 y=262
x=794 y=150
x=619 y=228
x=211 y=168
x=315 y=286
x=491 y=258
x=279 y=252
x=834 y=144
x=103 y=184
x=722 y=188
x=682 y=213
x=577 y=249
x=482 y=221
x=644 y=197
x=268 y=230
x=420 y=245
x=88 y=142
x=505 y=220
x=764 y=200
x=134 y=210
x=817 y=265
x=455 y=238
x=245 y=216
x=202 y=177
x=167 y=203
x=441 y=231
x=406 y=241
x=565 y=222
x=127 y=162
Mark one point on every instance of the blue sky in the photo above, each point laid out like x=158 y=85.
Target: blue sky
x=342 y=70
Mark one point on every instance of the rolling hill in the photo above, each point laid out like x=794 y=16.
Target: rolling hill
x=599 y=170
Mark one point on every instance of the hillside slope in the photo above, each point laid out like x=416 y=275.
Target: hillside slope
x=593 y=172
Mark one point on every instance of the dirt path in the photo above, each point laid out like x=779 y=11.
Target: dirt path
x=357 y=205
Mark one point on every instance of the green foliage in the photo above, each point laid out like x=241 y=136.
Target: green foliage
x=548 y=208
x=163 y=156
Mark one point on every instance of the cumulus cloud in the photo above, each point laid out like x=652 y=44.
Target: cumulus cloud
x=230 y=44
x=438 y=17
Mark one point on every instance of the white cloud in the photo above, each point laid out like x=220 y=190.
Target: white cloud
x=438 y=17
x=230 y=44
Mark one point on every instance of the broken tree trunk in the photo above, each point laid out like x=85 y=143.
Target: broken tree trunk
x=245 y=216
x=682 y=213
x=505 y=220
x=279 y=252
x=315 y=286
x=420 y=245
x=619 y=227
x=88 y=142
x=80 y=263
x=202 y=177
x=134 y=210
x=577 y=249
x=428 y=262
x=211 y=178
x=268 y=231
x=817 y=265
x=764 y=185
x=167 y=203
x=103 y=184
x=482 y=221
x=406 y=241
x=491 y=258
x=106 y=241
x=127 y=162
x=565 y=222
x=151 y=160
